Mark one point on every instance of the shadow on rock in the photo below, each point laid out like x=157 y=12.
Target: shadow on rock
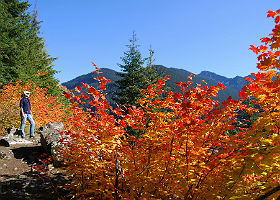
x=28 y=154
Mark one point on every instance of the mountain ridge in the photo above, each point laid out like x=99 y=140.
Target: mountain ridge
x=233 y=85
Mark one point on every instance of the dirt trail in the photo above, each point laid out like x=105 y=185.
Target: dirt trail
x=18 y=178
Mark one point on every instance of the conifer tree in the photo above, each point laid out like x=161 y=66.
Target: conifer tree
x=134 y=76
x=22 y=50
x=151 y=72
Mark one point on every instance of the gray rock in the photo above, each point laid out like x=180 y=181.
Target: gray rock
x=50 y=137
x=12 y=132
x=13 y=137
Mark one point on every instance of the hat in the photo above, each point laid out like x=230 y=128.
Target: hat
x=26 y=92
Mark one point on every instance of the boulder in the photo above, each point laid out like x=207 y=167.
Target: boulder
x=13 y=137
x=49 y=138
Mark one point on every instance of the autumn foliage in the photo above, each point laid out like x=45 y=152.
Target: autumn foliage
x=263 y=137
x=185 y=150
x=188 y=146
x=45 y=107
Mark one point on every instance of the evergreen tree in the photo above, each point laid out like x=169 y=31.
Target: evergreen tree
x=151 y=72
x=22 y=50
x=134 y=76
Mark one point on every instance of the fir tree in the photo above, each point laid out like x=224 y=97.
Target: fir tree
x=22 y=51
x=151 y=72
x=134 y=76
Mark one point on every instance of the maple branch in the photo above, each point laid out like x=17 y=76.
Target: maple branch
x=201 y=176
x=205 y=175
x=241 y=172
x=188 y=196
x=269 y=193
x=276 y=125
x=166 y=167
x=149 y=162
x=134 y=162
x=117 y=177
x=187 y=158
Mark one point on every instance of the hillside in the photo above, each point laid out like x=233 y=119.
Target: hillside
x=233 y=84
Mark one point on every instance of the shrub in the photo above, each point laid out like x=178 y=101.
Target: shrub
x=45 y=108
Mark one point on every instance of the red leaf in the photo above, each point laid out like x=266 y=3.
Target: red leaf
x=67 y=96
x=91 y=90
x=86 y=97
x=221 y=86
x=100 y=78
x=262 y=56
x=252 y=87
x=242 y=94
x=266 y=40
x=271 y=13
x=84 y=85
x=103 y=85
x=78 y=89
x=277 y=19
x=181 y=125
x=277 y=53
x=96 y=72
x=122 y=123
x=248 y=79
x=254 y=49
x=93 y=64
x=263 y=48
x=177 y=95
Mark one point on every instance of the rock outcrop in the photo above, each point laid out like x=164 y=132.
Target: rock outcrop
x=49 y=138
x=13 y=137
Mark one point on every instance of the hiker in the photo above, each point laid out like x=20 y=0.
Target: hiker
x=26 y=114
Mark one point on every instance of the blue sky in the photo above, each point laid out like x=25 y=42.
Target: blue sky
x=212 y=35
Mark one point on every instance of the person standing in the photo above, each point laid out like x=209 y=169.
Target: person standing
x=26 y=114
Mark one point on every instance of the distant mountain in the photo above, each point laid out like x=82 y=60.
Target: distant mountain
x=89 y=78
x=233 y=84
x=237 y=82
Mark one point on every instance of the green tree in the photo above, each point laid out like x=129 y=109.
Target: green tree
x=244 y=119
x=134 y=76
x=151 y=73
x=22 y=50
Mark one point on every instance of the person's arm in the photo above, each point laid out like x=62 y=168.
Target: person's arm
x=30 y=107
x=21 y=108
x=21 y=111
